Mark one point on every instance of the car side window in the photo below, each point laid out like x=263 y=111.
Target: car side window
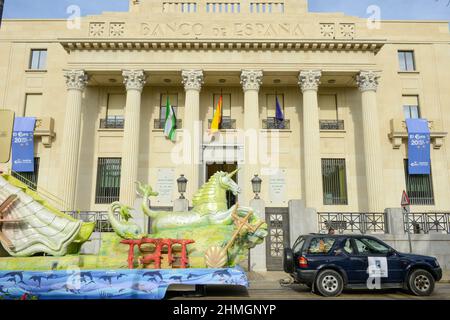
x=362 y=247
x=321 y=245
x=298 y=245
x=367 y=246
x=348 y=247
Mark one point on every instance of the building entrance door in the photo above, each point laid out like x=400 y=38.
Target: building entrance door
x=226 y=167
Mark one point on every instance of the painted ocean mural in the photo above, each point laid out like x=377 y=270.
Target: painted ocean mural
x=114 y=284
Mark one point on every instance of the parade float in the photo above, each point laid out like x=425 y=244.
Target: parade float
x=42 y=256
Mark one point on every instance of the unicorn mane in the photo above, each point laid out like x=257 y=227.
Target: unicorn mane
x=204 y=193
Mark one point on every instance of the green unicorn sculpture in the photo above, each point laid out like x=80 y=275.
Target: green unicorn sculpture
x=209 y=208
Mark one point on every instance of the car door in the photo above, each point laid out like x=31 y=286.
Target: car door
x=395 y=267
x=355 y=264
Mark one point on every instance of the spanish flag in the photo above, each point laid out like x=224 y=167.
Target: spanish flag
x=215 y=124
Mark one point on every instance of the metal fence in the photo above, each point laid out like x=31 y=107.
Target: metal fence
x=100 y=218
x=331 y=124
x=160 y=123
x=352 y=222
x=226 y=123
x=273 y=123
x=424 y=223
x=113 y=122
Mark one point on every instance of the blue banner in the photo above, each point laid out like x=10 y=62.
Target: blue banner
x=419 y=161
x=23 y=144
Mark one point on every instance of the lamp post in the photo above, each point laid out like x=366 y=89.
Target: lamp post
x=256 y=185
x=182 y=182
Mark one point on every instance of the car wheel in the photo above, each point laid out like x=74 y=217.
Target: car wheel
x=329 y=283
x=421 y=282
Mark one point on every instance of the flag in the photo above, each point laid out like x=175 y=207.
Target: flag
x=279 y=116
x=217 y=119
x=1 y=11
x=171 y=121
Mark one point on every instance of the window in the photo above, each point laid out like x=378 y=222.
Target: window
x=348 y=247
x=334 y=182
x=328 y=113
x=115 y=107
x=38 y=59
x=33 y=105
x=173 y=100
x=227 y=122
x=298 y=245
x=411 y=107
x=419 y=187
x=108 y=180
x=29 y=178
x=406 y=60
x=271 y=122
x=321 y=245
x=368 y=246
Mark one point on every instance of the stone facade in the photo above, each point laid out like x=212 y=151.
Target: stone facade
x=248 y=50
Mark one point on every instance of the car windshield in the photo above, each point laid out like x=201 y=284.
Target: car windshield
x=321 y=245
x=371 y=246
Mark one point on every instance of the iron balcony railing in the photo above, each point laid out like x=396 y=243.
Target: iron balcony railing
x=112 y=122
x=100 y=218
x=160 y=123
x=424 y=223
x=273 y=123
x=331 y=124
x=226 y=124
x=352 y=222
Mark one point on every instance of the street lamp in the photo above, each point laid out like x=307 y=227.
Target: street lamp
x=182 y=182
x=256 y=185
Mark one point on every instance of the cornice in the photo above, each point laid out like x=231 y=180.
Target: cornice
x=373 y=46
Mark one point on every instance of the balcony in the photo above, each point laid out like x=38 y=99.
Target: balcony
x=113 y=122
x=226 y=124
x=399 y=133
x=160 y=123
x=273 y=123
x=331 y=125
x=45 y=129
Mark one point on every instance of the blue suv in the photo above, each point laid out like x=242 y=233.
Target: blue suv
x=330 y=263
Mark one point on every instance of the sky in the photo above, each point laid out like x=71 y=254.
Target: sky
x=390 y=9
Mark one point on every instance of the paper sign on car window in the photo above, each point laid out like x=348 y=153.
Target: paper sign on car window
x=378 y=267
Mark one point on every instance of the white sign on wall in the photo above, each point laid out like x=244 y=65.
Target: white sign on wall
x=164 y=185
x=277 y=187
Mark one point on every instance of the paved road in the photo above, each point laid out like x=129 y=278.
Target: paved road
x=268 y=288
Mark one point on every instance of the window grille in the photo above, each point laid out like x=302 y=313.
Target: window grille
x=108 y=180
x=334 y=182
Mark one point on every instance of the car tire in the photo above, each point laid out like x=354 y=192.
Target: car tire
x=329 y=283
x=421 y=283
x=288 y=261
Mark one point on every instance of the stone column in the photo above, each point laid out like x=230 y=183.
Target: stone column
x=76 y=81
x=368 y=84
x=192 y=81
x=134 y=81
x=251 y=81
x=309 y=82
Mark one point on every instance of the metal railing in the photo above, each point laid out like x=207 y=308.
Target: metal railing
x=113 y=122
x=160 y=123
x=331 y=124
x=424 y=223
x=352 y=222
x=273 y=123
x=100 y=218
x=226 y=124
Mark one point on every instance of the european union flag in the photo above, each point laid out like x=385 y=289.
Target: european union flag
x=1 y=10
x=279 y=116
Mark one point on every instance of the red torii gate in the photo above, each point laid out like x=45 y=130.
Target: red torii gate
x=156 y=256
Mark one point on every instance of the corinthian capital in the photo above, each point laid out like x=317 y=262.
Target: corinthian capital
x=76 y=79
x=251 y=79
x=192 y=79
x=309 y=80
x=367 y=81
x=134 y=79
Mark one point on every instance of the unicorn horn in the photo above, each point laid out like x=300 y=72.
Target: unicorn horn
x=233 y=173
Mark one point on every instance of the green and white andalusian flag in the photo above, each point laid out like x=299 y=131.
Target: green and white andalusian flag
x=171 y=121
